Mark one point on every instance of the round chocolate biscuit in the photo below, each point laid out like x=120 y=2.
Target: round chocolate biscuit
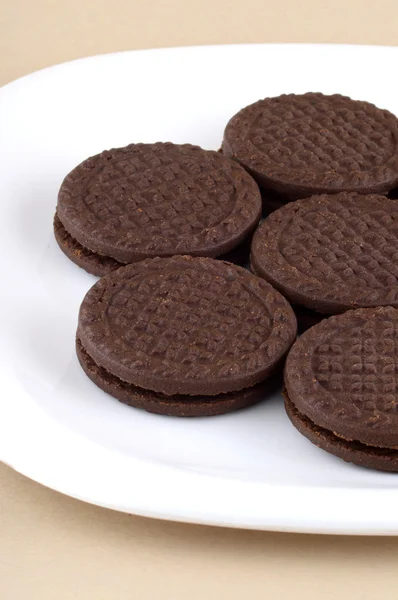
x=101 y=265
x=186 y=326
x=175 y=406
x=341 y=375
x=382 y=459
x=300 y=145
x=148 y=200
x=331 y=253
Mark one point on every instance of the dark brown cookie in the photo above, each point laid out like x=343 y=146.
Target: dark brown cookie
x=148 y=200
x=300 y=145
x=331 y=253
x=99 y=265
x=341 y=377
x=186 y=326
x=176 y=406
x=382 y=459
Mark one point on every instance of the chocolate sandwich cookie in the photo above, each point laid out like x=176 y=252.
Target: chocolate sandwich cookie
x=331 y=253
x=146 y=200
x=300 y=145
x=183 y=335
x=341 y=386
x=97 y=265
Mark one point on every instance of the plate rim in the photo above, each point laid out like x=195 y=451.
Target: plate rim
x=172 y=49
x=212 y=513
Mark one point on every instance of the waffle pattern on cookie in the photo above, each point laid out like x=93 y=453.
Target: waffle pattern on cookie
x=335 y=252
x=157 y=199
x=348 y=380
x=316 y=141
x=186 y=325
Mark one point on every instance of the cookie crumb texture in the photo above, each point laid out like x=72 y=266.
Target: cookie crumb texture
x=184 y=325
x=160 y=199
x=341 y=376
x=312 y=143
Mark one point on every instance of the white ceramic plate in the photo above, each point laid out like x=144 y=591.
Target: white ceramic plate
x=248 y=469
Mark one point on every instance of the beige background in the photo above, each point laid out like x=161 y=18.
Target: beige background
x=54 y=547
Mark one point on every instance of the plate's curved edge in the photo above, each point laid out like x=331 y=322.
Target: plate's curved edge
x=360 y=529
x=194 y=48
x=86 y=471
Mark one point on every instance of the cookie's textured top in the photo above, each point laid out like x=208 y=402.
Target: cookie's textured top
x=343 y=375
x=312 y=143
x=158 y=199
x=186 y=325
x=331 y=252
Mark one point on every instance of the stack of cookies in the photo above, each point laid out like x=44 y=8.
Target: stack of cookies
x=173 y=329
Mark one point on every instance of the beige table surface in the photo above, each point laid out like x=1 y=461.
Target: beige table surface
x=53 y=547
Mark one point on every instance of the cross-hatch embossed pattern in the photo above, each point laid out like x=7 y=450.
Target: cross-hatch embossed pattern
x=352 y=243
x=312 y=138
x=182 y=325
x=359 y=369
x=183 y=196
x=335 y=251
x=146 y=195
x=188 y=317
